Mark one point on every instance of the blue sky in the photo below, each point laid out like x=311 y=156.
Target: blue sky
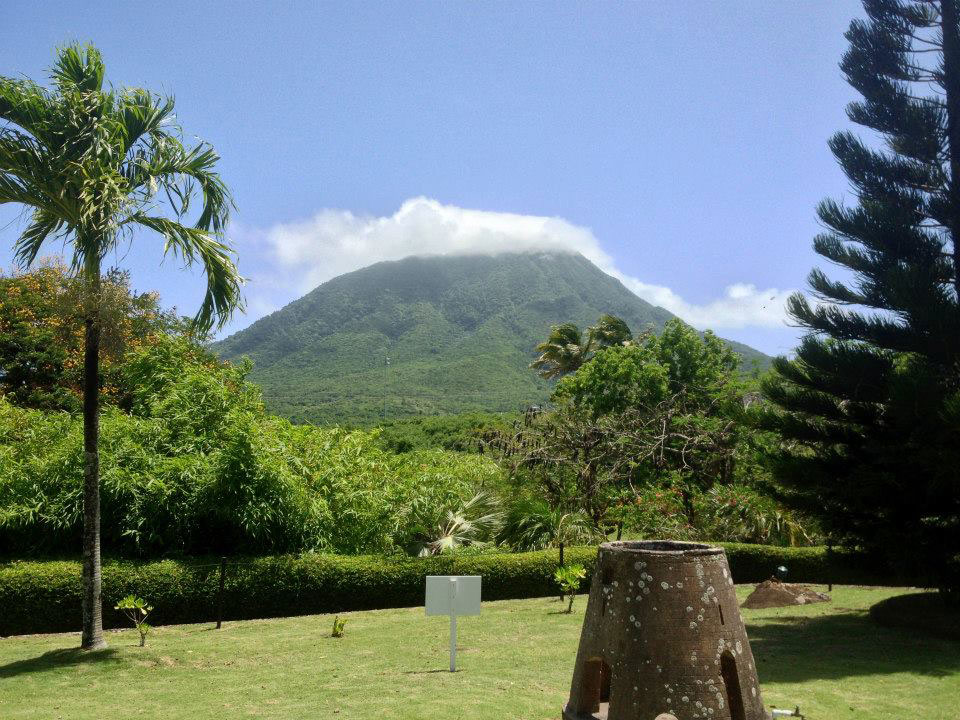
x=680 y=145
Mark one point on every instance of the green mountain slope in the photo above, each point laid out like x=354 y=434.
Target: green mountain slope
x=459 y=333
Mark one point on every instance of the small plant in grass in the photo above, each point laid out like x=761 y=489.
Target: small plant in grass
x=569 y=577
x=136 y=609
x=338 y=627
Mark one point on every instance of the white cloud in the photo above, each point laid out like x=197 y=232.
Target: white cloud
x=333 y=242
x=742 y=304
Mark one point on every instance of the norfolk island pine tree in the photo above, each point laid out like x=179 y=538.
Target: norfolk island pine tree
x=92 y=164
x=870 y=406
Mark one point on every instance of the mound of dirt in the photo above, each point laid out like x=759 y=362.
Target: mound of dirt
x=773 y=593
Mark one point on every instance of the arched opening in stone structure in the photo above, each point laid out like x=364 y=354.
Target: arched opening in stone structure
x=731 y=682
x=595 y=689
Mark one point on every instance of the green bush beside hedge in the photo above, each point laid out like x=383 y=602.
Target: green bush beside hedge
x=44 y=596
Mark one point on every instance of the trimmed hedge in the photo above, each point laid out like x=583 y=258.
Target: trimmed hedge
x=44 y=596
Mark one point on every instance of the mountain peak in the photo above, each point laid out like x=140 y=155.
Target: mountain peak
x=459 y=332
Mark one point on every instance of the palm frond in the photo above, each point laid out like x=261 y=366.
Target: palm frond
x=198 y=246
x=24 y=103
x=167 y=165
x=475 y=522
x=533 y=525
x=90 y=162
x=43 y=226
x=142 y=114
x=78 y=68
x=13 y=190
x=564 y=351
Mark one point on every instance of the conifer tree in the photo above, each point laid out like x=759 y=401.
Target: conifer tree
x=870 y=406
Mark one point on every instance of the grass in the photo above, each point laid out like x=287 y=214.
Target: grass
x=515 y=662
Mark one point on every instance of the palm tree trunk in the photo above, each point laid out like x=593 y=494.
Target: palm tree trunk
x=91 y=601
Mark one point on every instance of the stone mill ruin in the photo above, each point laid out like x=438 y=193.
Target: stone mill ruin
x=663 y=639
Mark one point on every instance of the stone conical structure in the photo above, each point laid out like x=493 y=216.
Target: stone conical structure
x=663 y=637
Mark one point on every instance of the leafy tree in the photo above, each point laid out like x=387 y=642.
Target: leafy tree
x=677 y=403
x=609 y=331
x=567 y=348
x=679 y=363
x=667 y=410
x=94 y=163
x=870 y=406
x=42 y=335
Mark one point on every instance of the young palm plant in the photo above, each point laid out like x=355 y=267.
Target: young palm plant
x=532 y=524
x=474 y=523
x=92 y=164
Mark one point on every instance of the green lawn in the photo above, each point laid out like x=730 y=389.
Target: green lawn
x=515 y=662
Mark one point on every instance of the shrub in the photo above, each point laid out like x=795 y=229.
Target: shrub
x=44 y=596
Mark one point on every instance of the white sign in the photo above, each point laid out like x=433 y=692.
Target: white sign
x=453 y=595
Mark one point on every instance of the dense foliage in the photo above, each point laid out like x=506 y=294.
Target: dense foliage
x=198 y=466
x=42 y=335
x=870 y=406
x=463 y=433
x=428 y=336
x=654 y=435
x=44 y=596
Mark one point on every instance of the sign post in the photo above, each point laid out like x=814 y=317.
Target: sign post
x=453 y=625
x=453 y=595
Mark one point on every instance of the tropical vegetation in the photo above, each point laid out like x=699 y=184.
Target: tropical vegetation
x=192 y=463
x=655 y=436
x=196 y=465
x=568 y=348
x=118 y=423
x=42 y=335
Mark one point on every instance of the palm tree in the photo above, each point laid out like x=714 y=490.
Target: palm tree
x=92 y=163
x=532 y=524
x=473 y=523
x=567 y=348
x=564 y=351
